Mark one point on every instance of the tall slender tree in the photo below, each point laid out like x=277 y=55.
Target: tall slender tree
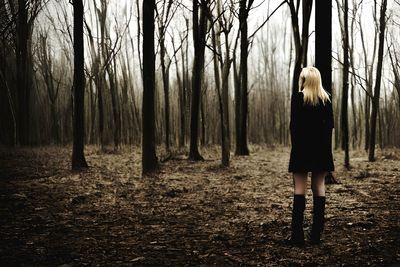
x=300 y=42
x=23 y=75
x=78 y=157
x=222 y=63
x=377 y=89
x=323 y=42
x=149 y=158
x=368 y=72
x=242 y=91
x=163 y=21
x=344 y=116
x=199 y=40
x=26 y=13
x=323 y=51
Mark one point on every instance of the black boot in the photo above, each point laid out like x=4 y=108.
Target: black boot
x=318 y=219
x=297 y=236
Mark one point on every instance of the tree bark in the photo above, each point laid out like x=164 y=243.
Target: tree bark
x=225 y=129
x=323 y=42
x=242 y=142
x=323 y=51
x=223 y=92
x=307 y=7
x=165 y=78
x=199 y=34
x=24 y=80
x=344 y=122
x=149 y=158
x=78 y=157
x=301 y=44
x=115 y=104
x=377 y=89
x=368 y=69
x=163 y=19
x=236 y=79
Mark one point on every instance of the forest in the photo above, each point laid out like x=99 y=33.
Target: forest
x=157 y=133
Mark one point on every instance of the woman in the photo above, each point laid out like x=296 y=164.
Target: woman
x=311 y=126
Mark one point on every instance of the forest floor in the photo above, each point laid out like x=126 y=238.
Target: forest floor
x=190 y=213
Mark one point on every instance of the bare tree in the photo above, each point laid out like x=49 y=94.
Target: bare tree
x=396 y=72
x=45 y=59
x=223 y=61
x=368 y=73
x=182 y=85
x=323 y=42
x=323 y=53
x=301 y=43
x=20 y=28
x=149 y=158
x=78 y=157
x=377 y=89
x=199 y=39
x=344 y=123
x=164 y=19
x=241 y=96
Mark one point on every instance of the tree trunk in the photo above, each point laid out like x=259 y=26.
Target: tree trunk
x=226 y=144
x=301 y=45
x=101 y=111
x=149 y=158
x=24 y=63
x=344 y=123
x=223 y=93
x=368 y=69
x=98 y=81
x=396 y=74
x=307 y=6
x=323 y=42
x=78 y=158
x=199 y=34
x=377 y=89
x=92 y=98
x=102 y=56
x=323 y=51
x=354 y=114
x=115 y=104
x=165 y=78
x=236 y=79
x=181 y=109
x=181 y=96
x=242 y=148
x=352 y=94
x=203 y=137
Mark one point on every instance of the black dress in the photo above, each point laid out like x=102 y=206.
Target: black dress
x=311 y=136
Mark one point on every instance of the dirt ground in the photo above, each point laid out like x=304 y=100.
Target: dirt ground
x=190 y=213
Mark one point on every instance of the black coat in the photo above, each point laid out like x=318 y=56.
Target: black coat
x=311 y=136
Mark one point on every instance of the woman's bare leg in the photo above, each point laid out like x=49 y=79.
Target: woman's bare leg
x=318 y=183
x=300 y=183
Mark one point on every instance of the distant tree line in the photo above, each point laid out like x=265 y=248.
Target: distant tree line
x=187 y=74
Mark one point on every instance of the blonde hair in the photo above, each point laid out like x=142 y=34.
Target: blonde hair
x=310 y=81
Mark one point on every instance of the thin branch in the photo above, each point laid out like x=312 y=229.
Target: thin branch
x=262 y=25
x=358 y=76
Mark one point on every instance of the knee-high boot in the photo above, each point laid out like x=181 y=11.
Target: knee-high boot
x=318 y=219
x=299 y=205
